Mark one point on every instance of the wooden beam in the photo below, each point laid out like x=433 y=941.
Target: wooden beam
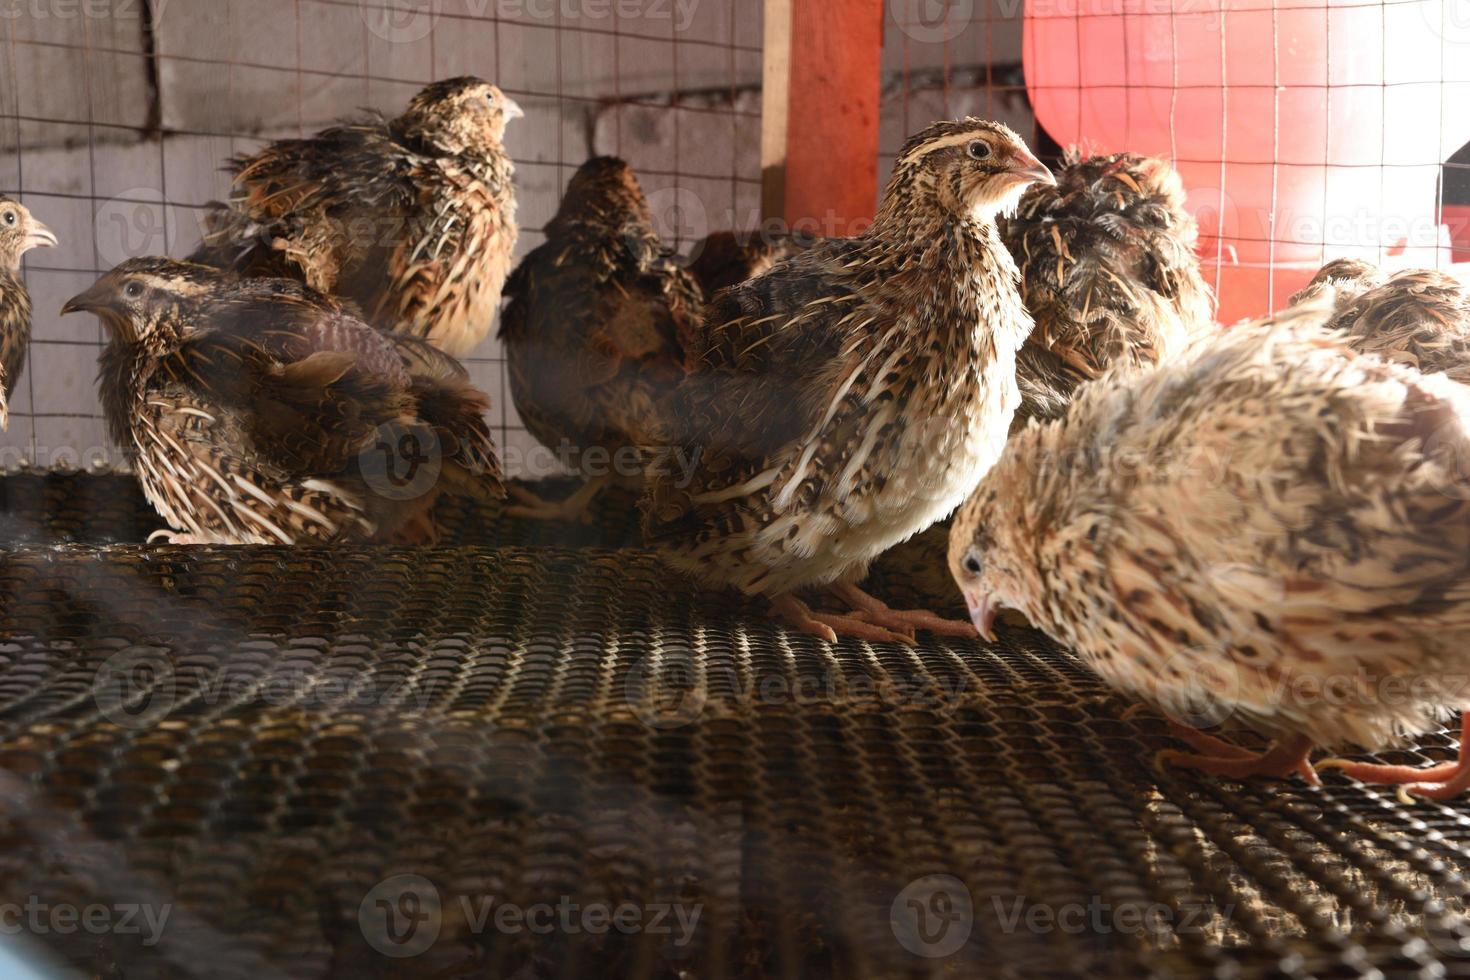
x=775 y=89
x=819 y=132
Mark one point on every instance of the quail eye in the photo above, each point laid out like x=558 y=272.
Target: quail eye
x=979 y=150
x=133 y=290
x=10 y=217
x=972 y=564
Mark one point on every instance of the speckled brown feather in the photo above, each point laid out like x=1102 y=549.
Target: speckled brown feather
x=1109 y=273
x=598 y=318
x=252 y=408
x=15 y=336
x=19 y=232
x=1418 y=317
x=414 y=219
x=728 y=258
x=850 y=397
x=1269 y=518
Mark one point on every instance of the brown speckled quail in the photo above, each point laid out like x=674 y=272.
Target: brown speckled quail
x=595 y=332
x=1419 y=317
x=1273 y=530
x=1109 y=273
x=413 y=219
x=257 y=411
x=19 y=233
x=853 y=395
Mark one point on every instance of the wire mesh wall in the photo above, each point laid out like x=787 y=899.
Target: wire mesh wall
x=1305 y=130
x=117 y=115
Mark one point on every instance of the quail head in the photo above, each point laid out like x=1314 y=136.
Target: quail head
x=19 y=233
x=1419 y=317
x=854 y=394
x=595 y=333
x=258 y=411
x=1108 y=271
x=1272 y=529
x=413 y=219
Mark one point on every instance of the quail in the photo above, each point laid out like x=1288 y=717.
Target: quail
x=1108 y=271
x=1419 y=317
x=19 y=233
x=852 y=395
x=595 y=331
x=1272 y=529
x=728 y=258
x=414 y=218
x=258 y=411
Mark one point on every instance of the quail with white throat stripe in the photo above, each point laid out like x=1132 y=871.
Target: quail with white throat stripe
x=852 y=395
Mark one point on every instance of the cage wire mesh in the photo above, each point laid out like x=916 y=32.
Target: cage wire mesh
x=306 y=755
x=117 y=115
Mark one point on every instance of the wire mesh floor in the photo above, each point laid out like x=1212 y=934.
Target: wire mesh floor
x=472 y=761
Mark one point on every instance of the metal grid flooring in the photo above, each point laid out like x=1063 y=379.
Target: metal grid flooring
x=321 y=762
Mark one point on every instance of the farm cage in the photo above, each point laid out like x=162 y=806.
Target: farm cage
x=531 y=751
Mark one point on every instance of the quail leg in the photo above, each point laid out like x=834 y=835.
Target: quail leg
x=576 y=509
x=876 y=611
x=827 y=626
x=1441 y=782
x=1233 y=762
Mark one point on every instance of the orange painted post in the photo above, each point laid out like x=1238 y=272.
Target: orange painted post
x=820 y=113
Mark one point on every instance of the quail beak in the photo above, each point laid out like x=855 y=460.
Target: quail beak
x=94 y=300
x=1026 y=168
x=39 y=236
x=983 y=609
x=512 y=109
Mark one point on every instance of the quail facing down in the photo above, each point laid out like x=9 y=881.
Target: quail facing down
x=19 y=233
x=1108 y=271
x=257 y=411
x=595 y=332
x=413 y=219
x=854 y=394
x=728 y=258
x=1273 y=529
x=1419 y=317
